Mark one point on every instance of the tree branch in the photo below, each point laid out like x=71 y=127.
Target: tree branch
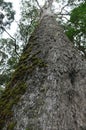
x=63 y=8
x=11 y=38
x=38 y=4
x=64 y=14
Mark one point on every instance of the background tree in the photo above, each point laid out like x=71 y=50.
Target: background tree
x=6 y=15
x=8 y=57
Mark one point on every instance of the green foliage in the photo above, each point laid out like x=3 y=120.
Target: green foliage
x=78 y=15
x=7 y=53
x=76 y=27
x=70 y=33
x=8 y=60
x=6 y=13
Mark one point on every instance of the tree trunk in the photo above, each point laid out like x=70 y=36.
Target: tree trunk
x=49 y=83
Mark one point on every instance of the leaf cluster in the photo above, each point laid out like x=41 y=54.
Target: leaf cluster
x=8 y=60
x=76 y=27
x=6 y=14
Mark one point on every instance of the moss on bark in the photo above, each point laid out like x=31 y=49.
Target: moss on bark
x=9 y=98
x=17 y=86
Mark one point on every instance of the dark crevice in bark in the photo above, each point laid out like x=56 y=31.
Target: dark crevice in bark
x=72 y=76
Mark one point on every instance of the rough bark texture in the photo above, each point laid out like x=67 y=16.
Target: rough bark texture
x=55 y=98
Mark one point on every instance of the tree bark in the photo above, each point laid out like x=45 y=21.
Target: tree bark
x=55 y=95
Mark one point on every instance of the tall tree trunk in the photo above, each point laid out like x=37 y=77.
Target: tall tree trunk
x=49 y=83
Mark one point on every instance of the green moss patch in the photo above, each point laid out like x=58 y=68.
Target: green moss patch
x=17 y=86
x=28 y=62
x=9 y=98
x=11 y=125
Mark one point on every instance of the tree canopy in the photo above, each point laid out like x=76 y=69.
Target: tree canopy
x=6 y=14
x=7 y=45
x=76 y=27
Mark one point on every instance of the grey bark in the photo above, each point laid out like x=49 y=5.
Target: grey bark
x=56 y=95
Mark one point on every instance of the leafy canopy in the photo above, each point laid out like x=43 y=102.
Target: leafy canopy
x=7 y=54
x=6 y=14
x=76 y=27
